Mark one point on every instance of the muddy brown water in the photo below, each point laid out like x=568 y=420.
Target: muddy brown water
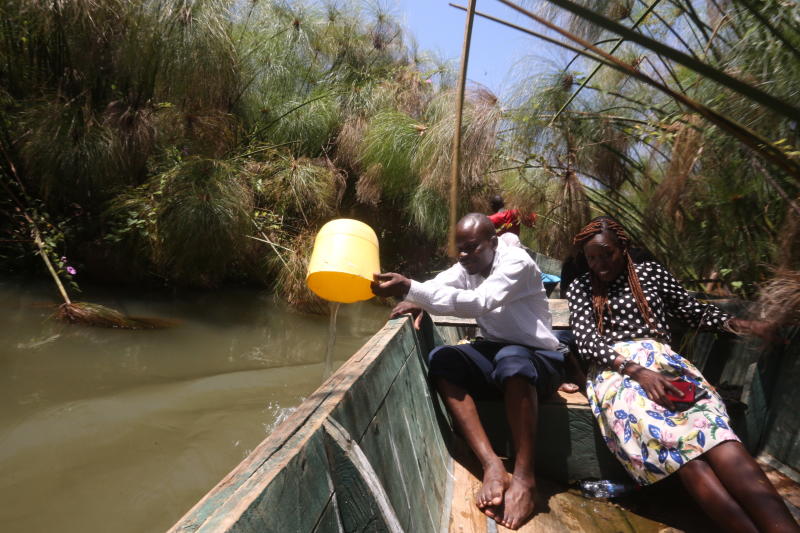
x=109 y=430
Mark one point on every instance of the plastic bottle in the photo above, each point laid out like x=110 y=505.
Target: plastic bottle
x=604 y=488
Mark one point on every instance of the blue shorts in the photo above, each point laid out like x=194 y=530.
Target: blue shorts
x=482 y=366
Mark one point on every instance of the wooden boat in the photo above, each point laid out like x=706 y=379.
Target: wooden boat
x=373 y=449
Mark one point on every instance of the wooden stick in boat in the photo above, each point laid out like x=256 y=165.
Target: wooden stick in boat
x=455 y=162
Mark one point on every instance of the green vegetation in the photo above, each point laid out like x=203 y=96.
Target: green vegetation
x=201 y=141
x=698 y=162
x=196 y=142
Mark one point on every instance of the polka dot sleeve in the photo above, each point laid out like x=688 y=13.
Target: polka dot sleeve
x=682 y=306
x=591 y=346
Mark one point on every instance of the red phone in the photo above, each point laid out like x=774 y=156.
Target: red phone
x=691 y=393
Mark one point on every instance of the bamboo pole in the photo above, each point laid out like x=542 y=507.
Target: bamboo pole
x=455 y=163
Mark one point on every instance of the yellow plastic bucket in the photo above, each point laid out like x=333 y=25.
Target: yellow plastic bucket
x=344 y=258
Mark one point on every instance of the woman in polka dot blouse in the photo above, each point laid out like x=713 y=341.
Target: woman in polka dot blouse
x=618 y=312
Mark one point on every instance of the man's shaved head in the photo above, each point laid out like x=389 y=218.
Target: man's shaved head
x=476 y=242
x=478 y=222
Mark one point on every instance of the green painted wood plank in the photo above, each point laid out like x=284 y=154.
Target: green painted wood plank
x=249 y=507
x=381 y=443
x=406 y=450
x=382 y=400
x=364 y=397
x=782 y=440
x=330 y=522
x=274 y=509
x=742 y=353
x=360 y=494
x=570 y=447
x=750 y=425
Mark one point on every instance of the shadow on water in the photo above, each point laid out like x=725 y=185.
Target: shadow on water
x=112 y=430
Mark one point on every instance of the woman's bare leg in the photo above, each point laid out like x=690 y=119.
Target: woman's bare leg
x=745 y=481
x=705 y=487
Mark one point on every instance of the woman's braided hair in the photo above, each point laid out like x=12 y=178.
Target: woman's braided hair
x=600 y=289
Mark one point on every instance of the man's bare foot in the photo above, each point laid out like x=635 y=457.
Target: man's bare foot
x=495 y=483
x=568 y=387
x=518 y=502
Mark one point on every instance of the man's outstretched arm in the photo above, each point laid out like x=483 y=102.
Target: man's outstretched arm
x=508 y=281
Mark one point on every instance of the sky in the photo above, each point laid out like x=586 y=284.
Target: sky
x=498 y=54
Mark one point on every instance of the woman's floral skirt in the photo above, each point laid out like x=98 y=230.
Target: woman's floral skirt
x=650 y=441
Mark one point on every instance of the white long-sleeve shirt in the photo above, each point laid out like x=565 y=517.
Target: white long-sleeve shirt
x=510 y=305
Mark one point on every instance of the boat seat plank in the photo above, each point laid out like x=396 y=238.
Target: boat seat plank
x=559 y=309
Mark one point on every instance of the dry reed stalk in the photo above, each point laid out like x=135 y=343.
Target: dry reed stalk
x=410 y=94
x=135 y=129
x=213 y=133
x=348 y=142
x=568 y=213
x=480 y=137
x=482 y=117
x=779 y=298
x=95 y=315
x=291 y=282
x=338 y=178
x=575 y=213
x=788 y=239
x=604 y=156
x=74 y=312
x=368 y=186
x=686 y=149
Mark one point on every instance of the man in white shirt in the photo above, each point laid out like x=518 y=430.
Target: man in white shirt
x=517 y=357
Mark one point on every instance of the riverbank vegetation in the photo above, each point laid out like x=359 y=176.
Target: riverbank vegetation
x=197 y=142
x=200 y=142
x=683 y=142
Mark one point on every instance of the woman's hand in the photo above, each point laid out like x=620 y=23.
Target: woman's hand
x=656 y=385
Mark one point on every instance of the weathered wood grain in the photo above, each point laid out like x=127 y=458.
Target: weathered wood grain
x=362 y=501
x=381 y=400
x=557 y=510
x=330 y=520
x=406 y=449
x=465 y=517
x=559 y=309
x=782 y=440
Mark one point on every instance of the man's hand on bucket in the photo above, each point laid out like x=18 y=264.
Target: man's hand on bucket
x=390 y=284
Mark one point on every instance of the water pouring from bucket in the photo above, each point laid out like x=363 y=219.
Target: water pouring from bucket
x=340 y=270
